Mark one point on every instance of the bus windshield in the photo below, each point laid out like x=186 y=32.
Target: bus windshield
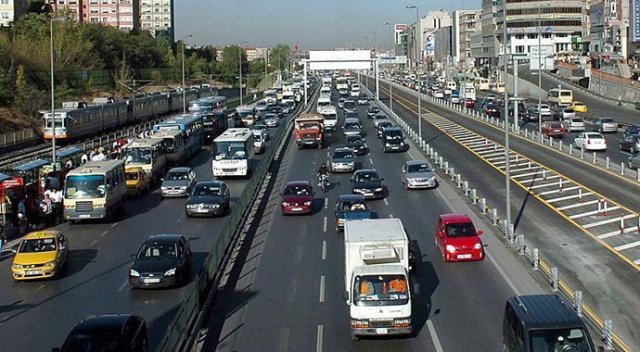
x=85 y=186
x=230 y=151
x=137 y=155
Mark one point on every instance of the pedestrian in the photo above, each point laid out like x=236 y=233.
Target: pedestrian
x=56 y=204
x=84 y=158
x=3 y=236
x=92 y=153
x=45 y=210
x=100 y=155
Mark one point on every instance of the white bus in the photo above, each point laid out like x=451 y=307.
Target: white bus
x=271 y=96
x=559 y=96
x=234 y=151
x=481 y=84
x=149 y=154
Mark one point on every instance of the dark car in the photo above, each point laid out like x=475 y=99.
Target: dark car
x=553 y=129
x=373 y=111
x=350 y=207
x=367 y=183
x=107 y=333
x=162 y=261
x=350 y=106
x=393 y=140
x=297 y=198
x=275 y=109
x=381 y=126
x=630 y=143
x=563 y=112
x=633 y=129
x=352 y=127
x=209 y=198
x=351 y=114
x=357 y=144
x=493 y=110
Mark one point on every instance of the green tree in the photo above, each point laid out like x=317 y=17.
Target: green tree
x=28 y=100
x=280 y=56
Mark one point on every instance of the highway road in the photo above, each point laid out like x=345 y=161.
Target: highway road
x=583 y=262
x=38 y=315
x=286 y=293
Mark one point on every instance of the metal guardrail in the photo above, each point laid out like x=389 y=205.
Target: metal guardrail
x=611 y=341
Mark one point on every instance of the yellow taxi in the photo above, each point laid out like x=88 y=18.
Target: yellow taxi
x=579 y=107
x=40 y=254
x=138 y=180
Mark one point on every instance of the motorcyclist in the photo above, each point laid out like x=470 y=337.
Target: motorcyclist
x=322 y=171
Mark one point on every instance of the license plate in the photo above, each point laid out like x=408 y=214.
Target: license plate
x=382 y=331
x=464 y=256
x=201 y=210
x=151 y=281
x=296 y=209
x=33 y=272
x=84 y=216
x=368 y=194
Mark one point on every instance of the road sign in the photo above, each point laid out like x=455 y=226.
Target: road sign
x=546 y=57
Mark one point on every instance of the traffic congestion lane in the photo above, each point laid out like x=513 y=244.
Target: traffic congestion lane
x=439 y=288
x=560 y=243
x=96 y=281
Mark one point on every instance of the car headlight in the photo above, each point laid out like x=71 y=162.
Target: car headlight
x=170 y=272
x=133 y=273
x=17 y=266
x=450 y=248
x=412 y=180
x=191 y=206
x=379 y=189
x=387 y=144
x=402 y=322
x=402 y=144
x=51 y=263
x=163 y=188
x=477 y=245
x=214 y=205
x=70 y=206
x=307 y=202
x=183 y=188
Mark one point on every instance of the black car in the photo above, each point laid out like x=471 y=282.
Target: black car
x=351 y=114
x=631 y=130
x=393 y=140
x=275 y=109
x=350 y=207
x=373 y=111
x=350 y=106
x=381 y=126
x=493 y=110
x=367 y=183
x=162 y=261
x=108 y=333
x=356 y=143
x=209 y=198
x=630 y=143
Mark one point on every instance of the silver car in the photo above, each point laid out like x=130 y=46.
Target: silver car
x=575 y=124
x=603 y=125
x=271 y=120
x=342 y=160
x=178 y=182
x=418 y=174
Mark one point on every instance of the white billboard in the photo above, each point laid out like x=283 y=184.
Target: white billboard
x=340 y=60
x=546 y=59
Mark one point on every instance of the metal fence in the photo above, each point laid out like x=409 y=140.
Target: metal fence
x=17 y=136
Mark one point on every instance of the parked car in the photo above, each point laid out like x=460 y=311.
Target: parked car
x=457 y=238
x=356 y=143
x=342 y=160
x=40 y=255
x=603 y=125
x=297 y=198
x=108 y=333
x=418 y=174
x=178 y=182
x=630 y=143
x=553 y=129
x=574 y=124
x=209 y=198
x=350 y=207
x=373 y=111
x=563 y=113
x=590 y=141
x=368 y=183
x=163 y=260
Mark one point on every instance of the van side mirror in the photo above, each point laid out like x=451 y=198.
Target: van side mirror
x=480 y=232
x=345 y=295
x=404 y=169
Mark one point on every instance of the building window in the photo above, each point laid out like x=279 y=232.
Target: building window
x=519 y=48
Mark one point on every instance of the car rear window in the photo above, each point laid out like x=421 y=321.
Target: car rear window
x=607 y=120
x=595 y=136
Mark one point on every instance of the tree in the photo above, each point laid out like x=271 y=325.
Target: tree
x=228 y=68
x=280 y=57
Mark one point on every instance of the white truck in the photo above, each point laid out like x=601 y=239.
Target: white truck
x=330 y=115
x=467 y=91
x=355 y=90
x=377 y=257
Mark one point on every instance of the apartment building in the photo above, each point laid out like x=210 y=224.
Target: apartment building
x=11 y=9
x=157 y=16
x=122 y=14
x=465 y=24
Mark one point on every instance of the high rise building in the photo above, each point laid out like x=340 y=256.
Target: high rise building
x=10 y=10
x=609 y=20
x=122 y=14
x=465 y=23
x=72 y=7
x=157 y=16
x=488 y=46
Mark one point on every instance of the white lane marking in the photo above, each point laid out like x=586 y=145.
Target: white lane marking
x=557 y=191
x=104 y=233
x=553 y=200
x=124 y=284
x=371 y=161
x=283 y=339
x=93 y=243
x=637 y=261
x=324 y=226
x=326 y=203
x=617 y=232
x=504 y=275
x=299 y=253
x=322 y=289
x=328 y=154
x=604 y=222
x=114 y=224
x=179 y=219
x=319 y=339
x=578 y=205
x=39 y=288
x=324 y=250
x=434 y=336
x=593 y=212
x=627 y=246
x=386 y=202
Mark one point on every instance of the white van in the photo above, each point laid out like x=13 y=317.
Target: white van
x=330 y=115
x=259 y=140
x=323 y=102
x=325 y=91
x=451 y=85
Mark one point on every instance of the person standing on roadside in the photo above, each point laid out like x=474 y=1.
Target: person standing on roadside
x=45 y=210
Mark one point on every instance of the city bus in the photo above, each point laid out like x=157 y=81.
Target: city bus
x=271 y=96
x=149 y=154
x=191 y=125
x=174 y=145
x=559 y=96
x=246 y=114
x=95 y=190
x=481 y=84
x=234 y=152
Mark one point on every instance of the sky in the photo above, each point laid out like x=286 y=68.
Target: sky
x=315 y=24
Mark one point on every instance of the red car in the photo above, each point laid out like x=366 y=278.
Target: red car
x=553 y=129
x=457 y=238
x=469 y=103
x=297 y=198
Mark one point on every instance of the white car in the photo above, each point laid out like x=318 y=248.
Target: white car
x=438 y=94
x=271 y=120
x=590 y=141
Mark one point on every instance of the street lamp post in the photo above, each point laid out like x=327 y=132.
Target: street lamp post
x=540 y=65
x=505 y=62
x=392 y=46
x=184 y=87
x=375 y=40
x=240 y=68
x=417 y=33
x=53 y=96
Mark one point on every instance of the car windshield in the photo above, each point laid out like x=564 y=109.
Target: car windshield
x=98 y=341
x=137 y=155
x=381 y=117
x=393 y=135
x=84 y=186
x=384 y=124
x=259 y=127
x=132 y=176
x=353 y=206
x=351 y=125
x=577 y=119
x=354 y=140
x=296 y=190
x=38 y=245
x=156 y=250
x=569 y=340
x=464 y=229
x=202 y=190
x=270 y=116
x=177 y=175
x=595 y=136
x=419 y=168
x=380 y=290
x=367 y=177
x=343 y=154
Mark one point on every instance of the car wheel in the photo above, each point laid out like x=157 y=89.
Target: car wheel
x=405 y=186
x=630 y=164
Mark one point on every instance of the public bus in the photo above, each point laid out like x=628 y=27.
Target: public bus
x=191 y=125
x=234 y=152
x=559 y=96
x=271 y=96
x=246 y=114
x=95 y=190
x=481 y=84
x=174 y=143
x=149 y=154
x=214 y=109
